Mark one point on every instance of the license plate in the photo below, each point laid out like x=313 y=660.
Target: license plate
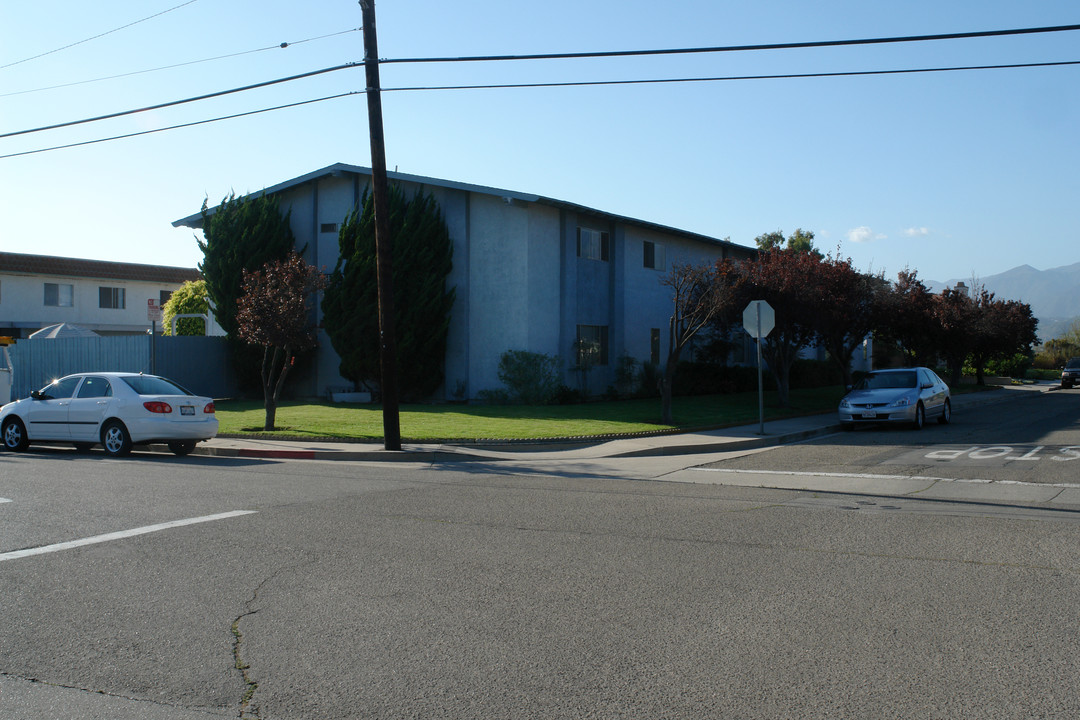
x=869 y=414
x=187 y=409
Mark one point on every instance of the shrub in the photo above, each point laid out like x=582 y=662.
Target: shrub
x=698 y=378
x=1014 y=366
x=648 y=381
x=532 y=378
x=567 y=395
x=493 y=397
x=815 y=373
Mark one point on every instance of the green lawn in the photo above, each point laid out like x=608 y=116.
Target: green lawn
x=515 y=422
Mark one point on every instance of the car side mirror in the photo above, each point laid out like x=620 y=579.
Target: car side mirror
x=36 y=394
x=849 y=388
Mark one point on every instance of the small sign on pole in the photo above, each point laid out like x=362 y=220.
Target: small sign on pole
x=759 y=319
x=153 y=311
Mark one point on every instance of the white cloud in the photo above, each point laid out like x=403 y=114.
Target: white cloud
x=864 y=234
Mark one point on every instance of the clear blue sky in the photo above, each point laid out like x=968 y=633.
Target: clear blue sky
x=955 y=174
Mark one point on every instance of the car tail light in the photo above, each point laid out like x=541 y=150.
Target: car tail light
x=209 y=409
x=156 y=406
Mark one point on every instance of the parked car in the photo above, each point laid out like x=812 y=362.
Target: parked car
x=908 y=395
x=115 y=410
x=1071 y=373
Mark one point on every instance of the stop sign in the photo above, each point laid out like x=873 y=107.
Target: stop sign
x=758 y=314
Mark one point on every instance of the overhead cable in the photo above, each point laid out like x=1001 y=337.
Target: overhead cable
x=279 y=46
x=95 y=37
x=183 y=125
x=737 y=48
x=561 y=84
x=182 y=102
x=788 y=76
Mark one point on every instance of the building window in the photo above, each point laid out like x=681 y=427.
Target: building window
x=654 y=346
x=592 y=345
x=593 y=244
x=163 y=297
x=59 y=295
x=112 y=298
x=328 y=227
x=654 y=256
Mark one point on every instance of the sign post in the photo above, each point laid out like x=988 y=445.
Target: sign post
x=759 y=320
x=153 y=314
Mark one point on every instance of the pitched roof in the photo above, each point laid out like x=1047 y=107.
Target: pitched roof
x=338 y=169
x=104 y=269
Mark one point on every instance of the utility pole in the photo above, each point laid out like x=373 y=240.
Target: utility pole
x=383 y=250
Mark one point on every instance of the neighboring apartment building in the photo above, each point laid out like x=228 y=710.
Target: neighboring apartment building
x=109 y=298
x=531 y=273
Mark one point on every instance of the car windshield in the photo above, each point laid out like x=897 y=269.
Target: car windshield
x=151 y=385
x=893 y=380
x=1073 y=363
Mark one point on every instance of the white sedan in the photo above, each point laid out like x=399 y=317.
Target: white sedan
x=117 y=410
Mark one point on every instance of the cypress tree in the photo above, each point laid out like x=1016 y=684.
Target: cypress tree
x=422 y=259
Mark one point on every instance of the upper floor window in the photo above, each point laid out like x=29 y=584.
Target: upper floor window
x=110 y=297
x=59 y=295
x=593 y=244
x=163 y=297
x=654 y=256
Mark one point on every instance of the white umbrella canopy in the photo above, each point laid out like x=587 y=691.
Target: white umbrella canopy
x=62 y=330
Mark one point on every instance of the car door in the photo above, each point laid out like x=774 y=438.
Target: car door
x=932 y=392
x=88 y=408
x=47 y=418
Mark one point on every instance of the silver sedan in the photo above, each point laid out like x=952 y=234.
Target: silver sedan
x=908 y=395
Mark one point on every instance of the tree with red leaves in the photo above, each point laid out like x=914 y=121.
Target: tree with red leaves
x=275 y=313
x=1003 y=328
x=907 y=318
x=955 y=316
x=700 y=294
x=852 y=307
x=787 y=279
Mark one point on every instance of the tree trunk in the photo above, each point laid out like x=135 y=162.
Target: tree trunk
x=667 y=380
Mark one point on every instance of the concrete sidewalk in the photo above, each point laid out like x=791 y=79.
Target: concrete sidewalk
x=743 y=437
x=684 y=457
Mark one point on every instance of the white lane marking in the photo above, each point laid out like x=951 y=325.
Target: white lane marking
x=108 y=537
x=874 y=476
x=4 y=500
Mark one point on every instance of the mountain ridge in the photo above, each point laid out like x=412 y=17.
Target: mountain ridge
x=1053 y=294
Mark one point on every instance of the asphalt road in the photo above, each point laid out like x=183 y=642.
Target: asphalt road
x=1032 y=439
x=459 y=591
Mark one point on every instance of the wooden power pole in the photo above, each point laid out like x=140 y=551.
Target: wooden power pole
x=383 y=249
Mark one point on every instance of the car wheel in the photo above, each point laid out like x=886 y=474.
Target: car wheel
x=83 y=447
x=115 y=439
x=920 y=417
x=14 y=435
x=946 y=413
x=182 y=448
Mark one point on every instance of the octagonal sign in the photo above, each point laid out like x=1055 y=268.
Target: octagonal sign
x=758 y=314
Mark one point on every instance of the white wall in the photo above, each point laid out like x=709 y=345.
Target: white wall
x=22 y=300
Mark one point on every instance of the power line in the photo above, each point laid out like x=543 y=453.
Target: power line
x=184 y=125
x=181 y=102
x=559 y=84
x=279 y=46
x=95 y=37
x=738 y=48
x=788 y=76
